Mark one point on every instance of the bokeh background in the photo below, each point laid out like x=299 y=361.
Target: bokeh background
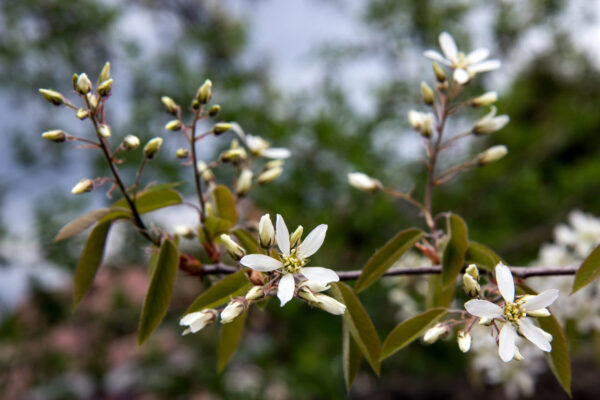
x=331 y=80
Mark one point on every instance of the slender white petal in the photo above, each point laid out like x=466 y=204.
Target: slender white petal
x=448 y=46
x=477 y=56
x=285 y=291
x=485 y=66
x=505 y=281
x=506 y=342
x=542 y=300
x=260 y=262
x=282 y=235
x=461 y=76
x=435 y=56
x=190 y=318
x=483 y=308
x=319 y=275
x=313 y=241
x=276 y=153
x=534 y=334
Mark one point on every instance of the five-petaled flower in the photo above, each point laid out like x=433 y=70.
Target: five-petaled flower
x=514 y=314
x=465 y=66
x=292 y=260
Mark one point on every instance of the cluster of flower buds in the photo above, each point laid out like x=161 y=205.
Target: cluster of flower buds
x=421 y=122
x=471 y=281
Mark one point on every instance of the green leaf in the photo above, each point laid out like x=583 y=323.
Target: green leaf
x=159 y=293
x=90 y=260
x=437 y=294
x=351 y=357
x=151 y=200
x=588 y=271
x=454 y=253
x=386 y=256
x=224 y=204
x=219 y=293
x=231 y=334
x=247 y=241
x=359 y=324
x=85 y=221
x=407 y=331
x=482 y=256
x=216 y=226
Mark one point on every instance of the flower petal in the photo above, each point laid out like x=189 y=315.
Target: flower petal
x=461 y=76
x=320 y=275
x=483 y=308
x=282 y=235
x=542 y=300
x=435 y=56
x=260 y=262
x=190 y=318
x=485 y=66
x=276 y=153
x=506 y=342
x=285 y=290
x=477 y=56
x=505 y=281
x=313 y=241
x=448 y=46
x=534 y=334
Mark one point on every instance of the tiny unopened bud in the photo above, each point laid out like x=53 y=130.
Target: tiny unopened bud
x=464 y=341
x=206 y=172
x=492 y=154
x=182 y=153
x=74 y=78
x=485 y=99
x=221 y=127
x=363 y=182
x=130 y=142
x=184 y=231
x=490 y=123
x=440 y=75
x=57 y=136
x=105 y=73
x=83 y=85
x=92 y=100
x=169 y=104
x=235 y=250
x=214 y=110
x=204 y=92
x=198 y=320
x=266 y=232
x=518 y=355
x=174 y=125
x=104 y=130
x=232 y=311
x=427 y=126
x=329 y=304
x=435 y=333
x=274 y=164
x=152 y=147
x=269 y=175
x=85 y=185
x=105 y=88
x=255 y=293
x=473 y=271
x=296 y=236
x=234 y=155
x=244 y=182
x=427 y=93
x=52 y=96
x=472 y=288
x=82 y=113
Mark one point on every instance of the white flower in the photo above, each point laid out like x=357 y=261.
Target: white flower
x=292 y=260
x=465 y=66
x=514 y=314
x=363 y=182
x=197 y=320
x=260 y=147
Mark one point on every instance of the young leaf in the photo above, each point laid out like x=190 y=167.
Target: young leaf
x=359 y=324
x=482 y=256
x=386 y=256
x=219 y=293
x=85 y=221
x=231 y=334
x=247 y=241
x=407 y=331
x=224 y=203
x=150 y=200
x=351 y=357
x=588 y=271
x=159 y=293
x=454 y=253
x=90 y=260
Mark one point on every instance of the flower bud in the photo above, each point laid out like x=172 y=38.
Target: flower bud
x=473 y=271
x=421 y=122
x=198 y=320
x=74 y=78
x=82 y=113
x=427 y=126
x=485 y=99
x=130 y=142
x=490 y=123
x=85 y=185
x=169 y=104
x=105 y=88
x=83 y=85
x=244 y=183
x=184 y=231
x=304 y=292
x=427 y=94
x=266 y=232
x=204 y=92
x=433 y=334
x=232 y=311
x=329 y=304
x=296 y=236
x=363 y=182
x=472 y=288
x=52 y=96
x=464 y=341
x=152 y=147
x=440 y=75
x=255 y=293
x=206 y=173
x=92 y=100
x=274 y=164
x=182 y=153
x=235 y=250
x=174 y=125
x=269 y=175
x=104 y=130
x=56 y=136
x=234 y=155
x=492 y=154
x=221 y=127
x=214 y=110
x=105 y=73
